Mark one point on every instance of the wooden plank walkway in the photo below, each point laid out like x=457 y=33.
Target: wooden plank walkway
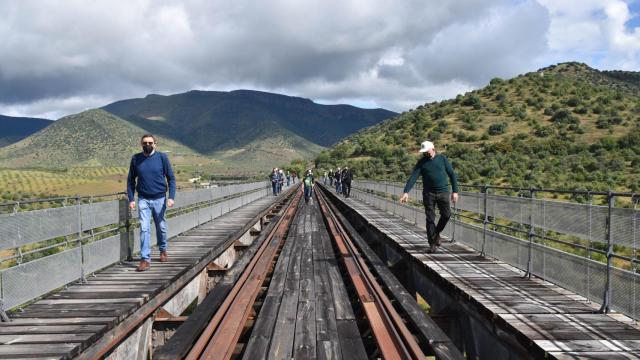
x=306 y=313
x=63 y=324
x=549 y=320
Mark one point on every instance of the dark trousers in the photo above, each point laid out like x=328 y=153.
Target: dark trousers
x=274 y=185
x=430 y=201
x=346 y=188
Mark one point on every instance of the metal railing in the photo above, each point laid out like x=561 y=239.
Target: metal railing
x=588 y=246
x=42 y=250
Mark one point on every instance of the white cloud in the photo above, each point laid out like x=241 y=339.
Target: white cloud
x=72 y=54
x=53 y=108
x=593 y=31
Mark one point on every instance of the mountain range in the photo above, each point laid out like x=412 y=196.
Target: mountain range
x=564 y=126
x=243 y=128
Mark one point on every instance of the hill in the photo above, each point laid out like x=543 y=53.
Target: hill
x=565 y=126
x=90 y=138
x=14 y=129
x=212 y=122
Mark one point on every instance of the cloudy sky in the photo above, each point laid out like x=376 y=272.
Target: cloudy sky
x=61 y=57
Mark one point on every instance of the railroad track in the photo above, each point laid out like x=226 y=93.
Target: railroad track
x=220 y=331
x=394 y=339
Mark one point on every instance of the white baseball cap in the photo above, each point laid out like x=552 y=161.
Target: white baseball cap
x=426 y=146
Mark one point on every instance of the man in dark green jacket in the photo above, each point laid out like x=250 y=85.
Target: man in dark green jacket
x=436 y=173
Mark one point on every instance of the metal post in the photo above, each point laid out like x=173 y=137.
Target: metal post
x=386 y=192
x=83 y=278
x=16 y=208
x=606 y=303
x=417 y=202
x=455 y=219
x=126 y=240
x=634 y=266
x=589 y=247
x=530 y=235
x=485 y=190
x=394 y=205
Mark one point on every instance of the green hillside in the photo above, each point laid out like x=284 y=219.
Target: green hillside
x=14 y=129
x=230 y=132
x=214 y=121
x=90 y=138
x=565 y=126
x=271 y=146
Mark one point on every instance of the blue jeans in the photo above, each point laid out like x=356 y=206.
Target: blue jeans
x=307 y=193
x=148 y=208
x=275 y=188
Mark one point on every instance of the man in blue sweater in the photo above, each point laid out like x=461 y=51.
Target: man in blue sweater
x=436 y=172
x=149 y=173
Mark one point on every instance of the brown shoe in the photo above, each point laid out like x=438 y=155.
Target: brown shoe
x=143 y=266
x=163 y=256
x=438 y=239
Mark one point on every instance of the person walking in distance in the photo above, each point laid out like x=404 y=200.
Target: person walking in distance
x=436 y=173
x=308 y=186
x=281 y=179
x=347 y=176
x=337 y=178
x=330 y=177
x=274 y=181
x=150 y=174
x=288 y=178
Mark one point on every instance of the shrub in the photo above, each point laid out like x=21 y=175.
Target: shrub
x=602 y=123
x=497 y=128
x=472 y=100
x=573 y=102
x=581 y=110
x=543 y=131
x=563 y=116
x=496 y=81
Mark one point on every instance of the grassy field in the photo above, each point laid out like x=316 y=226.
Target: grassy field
x=35 y=183
x=22 y=184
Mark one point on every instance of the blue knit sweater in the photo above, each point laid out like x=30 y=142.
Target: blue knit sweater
x=149 y=176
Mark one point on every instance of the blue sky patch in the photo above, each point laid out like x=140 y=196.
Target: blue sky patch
x=634 y=9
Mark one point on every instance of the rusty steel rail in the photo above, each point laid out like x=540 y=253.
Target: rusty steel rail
x=221 y=335
x=394 y=339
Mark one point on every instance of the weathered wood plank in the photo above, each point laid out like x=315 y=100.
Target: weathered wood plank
x=350 y=341
x=20 y=351
x=305 y=333
x=53 y=329
x=9 y=339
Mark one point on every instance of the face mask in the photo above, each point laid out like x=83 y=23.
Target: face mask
x=147 y=149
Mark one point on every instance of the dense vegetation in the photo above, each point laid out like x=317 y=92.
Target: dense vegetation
x=565 y=126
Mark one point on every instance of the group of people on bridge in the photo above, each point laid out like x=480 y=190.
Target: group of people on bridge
x=151 y=175
x=341 y=179
x=277 y=178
